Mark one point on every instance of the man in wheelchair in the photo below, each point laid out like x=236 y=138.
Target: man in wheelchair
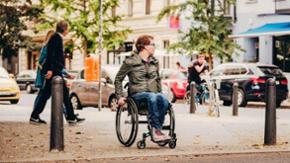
x=142 y=70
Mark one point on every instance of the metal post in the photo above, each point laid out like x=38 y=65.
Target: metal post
x=235 y=99
x=56 y=129
x=100 y=52
x=270 y=120
x=192 y=97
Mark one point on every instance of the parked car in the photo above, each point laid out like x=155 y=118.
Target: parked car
x=85 y=93
x=26 y=80
x=79 y=74
x=9 y=90
x=177 y=82
x=251 y=78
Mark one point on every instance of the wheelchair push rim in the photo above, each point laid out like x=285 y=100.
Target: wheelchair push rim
x=127 y=123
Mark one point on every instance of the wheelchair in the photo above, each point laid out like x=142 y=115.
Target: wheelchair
x=128 y=120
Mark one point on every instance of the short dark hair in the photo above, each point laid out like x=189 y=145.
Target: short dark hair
x=61 y=26
x=142 y=41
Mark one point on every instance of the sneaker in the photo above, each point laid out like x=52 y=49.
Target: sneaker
x=79 y=120
x=157 y=135
x=165 y=136
x=36 y=121
x=76 y=120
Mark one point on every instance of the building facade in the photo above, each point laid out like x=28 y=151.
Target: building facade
x=141 y=17
x=262 y=29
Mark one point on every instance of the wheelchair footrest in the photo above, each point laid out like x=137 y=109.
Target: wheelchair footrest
x=143 y=122
x=166 y=128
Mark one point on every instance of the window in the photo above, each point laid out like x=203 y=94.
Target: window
x=217 y=72
x=114 y=11
x=227 y=7
x=166 y=3
x=282 y=52
x=166 y=43
x=148 y=7
x=130 y=8
x=235 y=70
x=272 y=71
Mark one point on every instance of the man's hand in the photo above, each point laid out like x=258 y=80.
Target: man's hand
x=121 y=101
x=70 y=76
x=48 y=75
x=204 y=62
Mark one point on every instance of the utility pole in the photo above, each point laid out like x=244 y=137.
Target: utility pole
x=100 y=53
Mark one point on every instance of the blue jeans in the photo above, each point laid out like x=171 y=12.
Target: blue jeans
x=157 y=105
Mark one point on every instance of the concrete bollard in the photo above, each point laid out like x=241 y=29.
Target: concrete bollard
x=192 y=97
x=235 y=99
x=270 y=119
x=56 y=128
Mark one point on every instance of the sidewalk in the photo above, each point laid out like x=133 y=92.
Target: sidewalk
x=96 y=138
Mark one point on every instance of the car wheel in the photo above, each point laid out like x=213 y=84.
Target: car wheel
x=241 y=98
x=75 y=102
x=113 y=103
x=29 y=88
x=14 y=101
x=227 y=103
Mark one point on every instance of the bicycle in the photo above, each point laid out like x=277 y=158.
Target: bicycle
x=202 y=94
x=207 y=94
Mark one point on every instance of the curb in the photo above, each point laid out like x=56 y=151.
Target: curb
x=202 y=154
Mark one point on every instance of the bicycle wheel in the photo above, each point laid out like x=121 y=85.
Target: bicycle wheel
x=205 y=98
x=127 y=123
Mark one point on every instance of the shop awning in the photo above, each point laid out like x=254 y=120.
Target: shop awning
x=273 y=29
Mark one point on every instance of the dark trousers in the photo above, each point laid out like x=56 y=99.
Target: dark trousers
x=44 y=94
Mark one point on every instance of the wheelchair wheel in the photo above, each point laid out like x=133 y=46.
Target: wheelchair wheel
x=127 y=123
x=169 y=124
x=172 y=122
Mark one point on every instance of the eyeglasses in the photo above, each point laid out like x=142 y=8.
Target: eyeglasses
x=152 y=44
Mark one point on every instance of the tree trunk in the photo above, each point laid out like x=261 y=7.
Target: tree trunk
x=85 y=49
x=210 y=61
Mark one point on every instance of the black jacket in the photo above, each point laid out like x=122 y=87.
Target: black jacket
x=55 y=54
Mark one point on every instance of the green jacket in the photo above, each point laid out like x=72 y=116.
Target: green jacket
x=143 y=76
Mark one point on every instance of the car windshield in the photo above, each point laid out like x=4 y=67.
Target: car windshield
x=3 y=74
x=112 y=72
x=272 y=71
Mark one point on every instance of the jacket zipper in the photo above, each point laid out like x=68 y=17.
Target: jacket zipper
x=147 y=75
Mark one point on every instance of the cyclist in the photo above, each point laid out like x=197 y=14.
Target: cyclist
x=195 y=69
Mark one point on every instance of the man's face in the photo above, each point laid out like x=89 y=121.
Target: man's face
x=201 y=59
x=151 y=47
x=65 y=32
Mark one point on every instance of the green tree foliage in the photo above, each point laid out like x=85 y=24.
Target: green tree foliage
x=14 y=15
x=83 y=16
x=208 y=31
